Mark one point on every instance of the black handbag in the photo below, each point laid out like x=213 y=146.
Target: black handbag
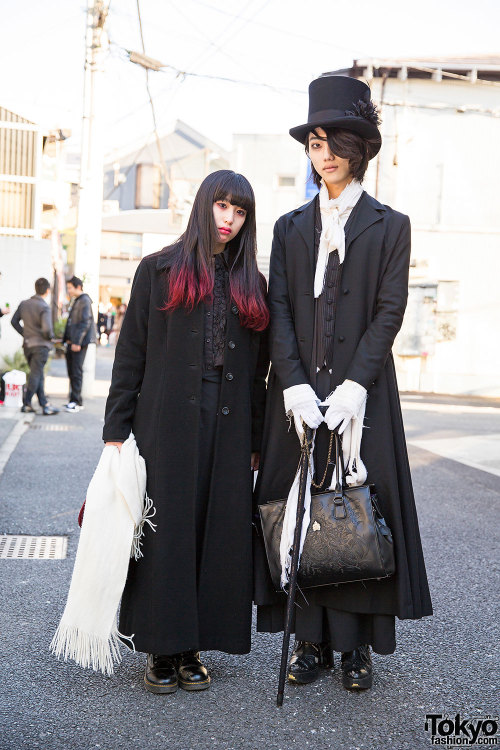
x=347 y=539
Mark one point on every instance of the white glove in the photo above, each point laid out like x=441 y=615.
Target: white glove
x=302 y=403
x=344 y=404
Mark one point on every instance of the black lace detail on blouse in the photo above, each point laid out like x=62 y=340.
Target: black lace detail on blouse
x=215 y=317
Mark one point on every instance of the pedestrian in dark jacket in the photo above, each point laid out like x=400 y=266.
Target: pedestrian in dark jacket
x=78 y=334
x=189 y=381
x=338 y=287
x=33 y=321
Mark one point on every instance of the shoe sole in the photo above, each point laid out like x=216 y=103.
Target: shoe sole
x=192 y=686
x=364 y=683
x=159 y=689
x=304 y=679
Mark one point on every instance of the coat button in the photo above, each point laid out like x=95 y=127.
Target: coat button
x=330 y=300
x=229 y=376
x=192 y=398
x=341 y=338
x=231 y=344
x=234 y=310
x=346 y=291
x=225 y=410
x=207 y=340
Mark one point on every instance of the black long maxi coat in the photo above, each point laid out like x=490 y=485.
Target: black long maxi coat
x=155 y=392
x=370 y=307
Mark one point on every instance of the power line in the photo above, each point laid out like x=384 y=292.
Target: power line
x=163 y=167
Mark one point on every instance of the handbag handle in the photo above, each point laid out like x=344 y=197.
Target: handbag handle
x=339 y=509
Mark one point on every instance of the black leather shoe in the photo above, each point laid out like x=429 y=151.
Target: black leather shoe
x=161 y=674
x=48 y=410
x=28 y=409
x=357 y=669
x=307 y=658
x=192 y=674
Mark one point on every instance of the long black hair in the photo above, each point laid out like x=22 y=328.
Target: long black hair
x=191 y=274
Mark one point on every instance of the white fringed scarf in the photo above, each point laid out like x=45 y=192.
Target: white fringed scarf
x=116 y=509
x=334 y=215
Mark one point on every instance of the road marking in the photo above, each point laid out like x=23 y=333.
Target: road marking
x=13 y=438
x=478 y=451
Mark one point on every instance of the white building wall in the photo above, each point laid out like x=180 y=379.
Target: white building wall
x=442 y=167
x=263 y=159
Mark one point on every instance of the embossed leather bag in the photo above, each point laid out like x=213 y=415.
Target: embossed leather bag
x=347 y=539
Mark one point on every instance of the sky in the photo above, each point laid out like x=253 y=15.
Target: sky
x=272 y=48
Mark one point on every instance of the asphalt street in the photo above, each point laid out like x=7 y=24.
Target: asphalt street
x=445 y=664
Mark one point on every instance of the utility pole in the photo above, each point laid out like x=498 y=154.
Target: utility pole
x=88 y=234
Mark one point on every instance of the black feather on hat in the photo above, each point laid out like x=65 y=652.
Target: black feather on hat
x=341 y=102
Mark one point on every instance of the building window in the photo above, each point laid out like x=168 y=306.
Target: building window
x=148 y=186
x=286 y=181
x=122 y=245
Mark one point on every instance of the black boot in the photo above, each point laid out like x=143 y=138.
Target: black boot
x=161 y=674
x=307 y=658
x=357 y=670
x=192 y=674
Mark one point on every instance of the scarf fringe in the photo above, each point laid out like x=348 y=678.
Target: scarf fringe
x=136 y=551
x=88 y=649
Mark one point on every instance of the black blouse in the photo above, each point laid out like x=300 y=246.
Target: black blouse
x=215 y=316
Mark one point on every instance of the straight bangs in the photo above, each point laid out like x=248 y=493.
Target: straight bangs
x=235 y=189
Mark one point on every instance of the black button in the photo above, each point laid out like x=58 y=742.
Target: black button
x=209 y=313
x=225 y=410
x=209 y=367
x=329 y=318
x=234 y=310
x=328 y=334
x=346 y=291
x=192 y=398
x=231 y=344
x=330 y=300
x=207 y=340
x=330 y=284
x=341 y=338
x=229 y=376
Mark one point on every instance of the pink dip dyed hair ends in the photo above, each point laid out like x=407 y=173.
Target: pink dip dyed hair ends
x=191 y=274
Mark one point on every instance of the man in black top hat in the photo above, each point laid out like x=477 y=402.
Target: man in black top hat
x=338 y=287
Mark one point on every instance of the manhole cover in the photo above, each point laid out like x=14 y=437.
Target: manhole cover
x=33 y=547
x=54 y=427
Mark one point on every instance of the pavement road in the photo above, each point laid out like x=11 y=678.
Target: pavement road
x=445 y=664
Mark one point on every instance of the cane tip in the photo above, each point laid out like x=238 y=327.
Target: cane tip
x=279 y=700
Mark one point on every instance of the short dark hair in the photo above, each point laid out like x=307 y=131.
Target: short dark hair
x=347 y=145
x=75 y=281
x=41 y=285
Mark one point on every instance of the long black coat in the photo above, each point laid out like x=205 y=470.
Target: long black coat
x=155 y=392
x=370 y=307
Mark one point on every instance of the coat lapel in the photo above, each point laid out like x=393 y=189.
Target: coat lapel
x=368 y=212
x=303 y=220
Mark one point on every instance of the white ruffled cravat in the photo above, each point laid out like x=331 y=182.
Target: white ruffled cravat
x=334 y=215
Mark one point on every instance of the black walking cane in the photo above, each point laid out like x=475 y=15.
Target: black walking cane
x=292 y=583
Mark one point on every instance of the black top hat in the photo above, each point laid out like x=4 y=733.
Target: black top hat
x=341 y=102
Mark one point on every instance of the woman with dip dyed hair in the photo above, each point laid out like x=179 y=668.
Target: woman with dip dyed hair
x=189 y=382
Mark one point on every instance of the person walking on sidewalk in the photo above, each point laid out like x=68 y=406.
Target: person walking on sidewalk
x=189 y=382
x=78 y=334
x=338 y=287
x=33 y=321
